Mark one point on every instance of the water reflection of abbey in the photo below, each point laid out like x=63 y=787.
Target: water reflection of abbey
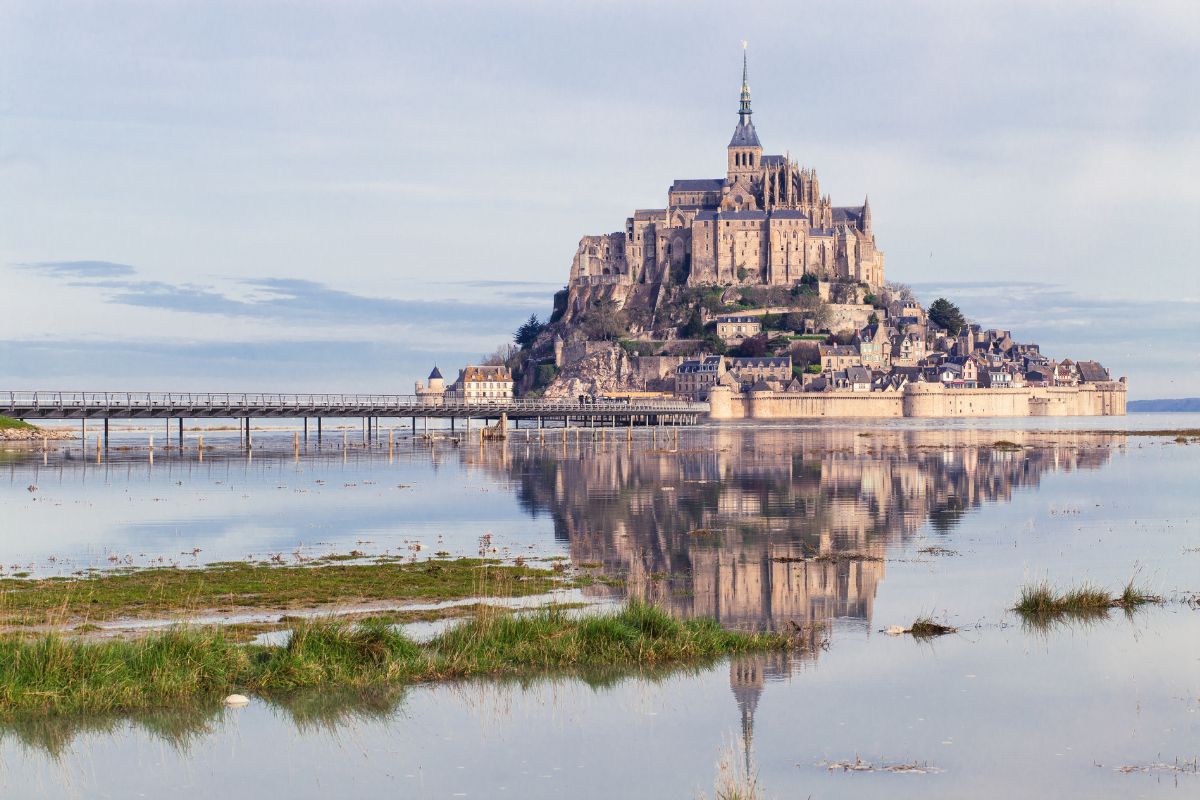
x=719 y=527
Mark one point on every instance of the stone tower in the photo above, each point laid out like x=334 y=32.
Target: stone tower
x=745 y=150
x=436 y=382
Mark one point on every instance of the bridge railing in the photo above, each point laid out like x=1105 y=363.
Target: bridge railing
x=402 y=404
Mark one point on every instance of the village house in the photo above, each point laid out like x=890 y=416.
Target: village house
x=838 y=356
x=695 y=377
x=773 y=369
x=482 y=384
x=874 y=347
x=1092 y=372
x=736 y=328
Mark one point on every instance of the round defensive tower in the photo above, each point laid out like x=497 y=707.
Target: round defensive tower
x=923 y=399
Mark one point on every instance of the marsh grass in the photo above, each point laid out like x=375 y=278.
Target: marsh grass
x=54 y=675
x=173 y=591
x=1040 y=604
x=927 y=628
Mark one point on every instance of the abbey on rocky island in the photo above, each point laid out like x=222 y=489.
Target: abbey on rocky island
x=765 y=223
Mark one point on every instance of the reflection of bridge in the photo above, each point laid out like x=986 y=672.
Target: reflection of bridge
x=186 y=405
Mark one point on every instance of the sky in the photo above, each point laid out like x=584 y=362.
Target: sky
x=334 y=196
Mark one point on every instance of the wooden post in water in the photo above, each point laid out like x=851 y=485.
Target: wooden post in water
x=200 y=446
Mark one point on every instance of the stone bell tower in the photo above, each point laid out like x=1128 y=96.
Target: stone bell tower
x=744 y=151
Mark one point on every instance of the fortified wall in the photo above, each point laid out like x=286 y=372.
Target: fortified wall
x=923 y=400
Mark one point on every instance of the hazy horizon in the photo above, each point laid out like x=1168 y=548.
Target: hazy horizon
x=335 y=197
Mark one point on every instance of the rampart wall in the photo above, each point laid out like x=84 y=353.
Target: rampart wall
x=923 y=400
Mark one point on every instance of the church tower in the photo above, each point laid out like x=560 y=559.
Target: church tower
x=745 y=151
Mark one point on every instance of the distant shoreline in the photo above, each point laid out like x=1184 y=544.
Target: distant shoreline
x=1180 y=404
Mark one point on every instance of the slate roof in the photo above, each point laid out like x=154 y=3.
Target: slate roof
x=744 y=135
x=436 y=374
x=747 y=214
x=485 y=373
x=762 y=361
x=847 y=214
x=697 y=184
x=788 y=213
x=858 y=375
x=1092 y=372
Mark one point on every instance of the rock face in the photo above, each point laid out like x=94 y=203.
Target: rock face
x=603 y=370
x=34 y=434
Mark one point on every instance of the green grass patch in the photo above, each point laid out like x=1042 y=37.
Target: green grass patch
x=50 y=674
x=172 y=591
x=1040 y=603
x=8 y=423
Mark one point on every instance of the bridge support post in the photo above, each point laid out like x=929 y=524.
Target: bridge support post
x=248 y=442
x=319 y=419
x=106 y=431
x=181 y=433
x=306 y=430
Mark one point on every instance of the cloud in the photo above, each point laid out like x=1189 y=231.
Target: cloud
x=301 y=302
x=80 y=269
x=311 y=365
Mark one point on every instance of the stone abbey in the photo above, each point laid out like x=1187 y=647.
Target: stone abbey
x=765 y=223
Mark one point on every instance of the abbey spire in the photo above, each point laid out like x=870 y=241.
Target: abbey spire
x=745 y=151
x=744 y=109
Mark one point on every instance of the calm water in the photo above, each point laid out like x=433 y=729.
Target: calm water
x=700 y=527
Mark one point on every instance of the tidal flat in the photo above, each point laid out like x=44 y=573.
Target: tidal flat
x=812 y=533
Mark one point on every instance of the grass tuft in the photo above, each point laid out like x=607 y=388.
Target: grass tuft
x=1134 y=596
x=926 y=627
x=1039 y=603
x=53 y=675
x=10 y=424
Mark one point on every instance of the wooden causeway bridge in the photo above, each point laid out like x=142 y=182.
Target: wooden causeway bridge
x=179 y=406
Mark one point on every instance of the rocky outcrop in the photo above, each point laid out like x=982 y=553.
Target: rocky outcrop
x=603 y=370
x=34 y=434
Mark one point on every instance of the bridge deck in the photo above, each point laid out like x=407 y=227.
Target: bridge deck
x=185 y=405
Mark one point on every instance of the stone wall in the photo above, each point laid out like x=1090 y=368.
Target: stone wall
x=923 y=400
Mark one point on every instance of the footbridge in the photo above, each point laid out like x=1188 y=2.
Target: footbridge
x=105 y=406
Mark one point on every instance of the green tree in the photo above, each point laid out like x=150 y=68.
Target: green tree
x=528 y=333
x=947 y=315
x=753 y=347
x=604 y=321
x=694 y=328
x=794 y=322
